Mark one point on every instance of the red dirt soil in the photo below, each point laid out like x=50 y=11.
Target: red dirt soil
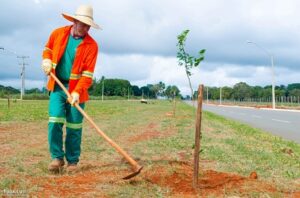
x=210 y=182
x=149 y=132
x=176 y=176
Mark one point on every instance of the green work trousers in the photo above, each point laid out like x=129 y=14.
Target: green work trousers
x=61 y=112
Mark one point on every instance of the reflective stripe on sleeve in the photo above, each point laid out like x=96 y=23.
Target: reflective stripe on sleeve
x=75 y=76
x=87 y=74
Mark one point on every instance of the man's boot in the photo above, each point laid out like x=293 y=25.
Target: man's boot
x=72 y=168
x=56 y=165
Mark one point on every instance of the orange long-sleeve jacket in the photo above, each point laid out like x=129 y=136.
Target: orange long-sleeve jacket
x=81 y=77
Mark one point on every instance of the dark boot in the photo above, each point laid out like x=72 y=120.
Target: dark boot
x=56 y=165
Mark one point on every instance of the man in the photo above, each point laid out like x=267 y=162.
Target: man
x=70 y=54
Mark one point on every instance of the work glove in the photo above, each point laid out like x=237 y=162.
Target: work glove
x=75 y=98
x=46 y=66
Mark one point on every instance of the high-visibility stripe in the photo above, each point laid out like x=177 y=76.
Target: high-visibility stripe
x=75 y=76
x=74 y=125
x=57 y=119
x=87 y=74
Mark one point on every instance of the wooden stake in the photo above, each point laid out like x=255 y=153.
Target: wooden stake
x=197 y=136
x=174 y=105
x=8 y=101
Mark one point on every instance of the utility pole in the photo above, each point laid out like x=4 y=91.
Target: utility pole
x=23 y=75
x=207 y=95
x=272 y=68
x=22 y=70
x=128 y=92
x=102 y=87
x=220 y=95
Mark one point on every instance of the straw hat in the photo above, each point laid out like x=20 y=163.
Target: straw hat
x=84 y=14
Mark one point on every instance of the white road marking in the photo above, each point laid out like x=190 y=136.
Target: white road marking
x=284 y=121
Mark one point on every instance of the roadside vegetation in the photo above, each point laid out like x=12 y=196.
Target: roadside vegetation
x=240 y=92
x=161 y=142
x=244 y=93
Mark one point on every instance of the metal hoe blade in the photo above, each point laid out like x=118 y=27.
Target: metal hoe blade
x=133 y=174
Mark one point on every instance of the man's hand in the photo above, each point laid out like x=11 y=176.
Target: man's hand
x=46 y=66
x=75 y=98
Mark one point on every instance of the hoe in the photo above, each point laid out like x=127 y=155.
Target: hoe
x=136 y=168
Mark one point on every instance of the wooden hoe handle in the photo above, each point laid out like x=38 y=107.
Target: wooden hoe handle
x=135 y=166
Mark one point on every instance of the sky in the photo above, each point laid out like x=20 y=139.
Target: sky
x=138 y=40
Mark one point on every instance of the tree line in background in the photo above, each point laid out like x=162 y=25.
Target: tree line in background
x=120 y=87
x=243 y=92
x=112 y=87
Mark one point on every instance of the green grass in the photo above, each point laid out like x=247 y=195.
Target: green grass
x=26 y=110
x=231 y=146
x=247 y=148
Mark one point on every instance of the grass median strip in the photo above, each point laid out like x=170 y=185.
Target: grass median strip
x=150 y=133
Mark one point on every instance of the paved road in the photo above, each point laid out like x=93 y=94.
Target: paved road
x=278 y=122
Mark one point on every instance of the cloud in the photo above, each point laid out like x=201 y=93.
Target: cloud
x=138 y=40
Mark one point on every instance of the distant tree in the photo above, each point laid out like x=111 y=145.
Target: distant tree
x=96 y=88
x=227 y=93
x=92 y=89
x=257 y=92
x=171 y=90
x=116 y=87
x=8 y=90
x=185 y=59
x=136 y=90
x=214 y=93
x=158 y=89
x=33 y=91
x=293 y=86
x=295 y=92
x=150 y=93
x=267 y=92
x=145 y=91
x=281 y=91
x=241 y=91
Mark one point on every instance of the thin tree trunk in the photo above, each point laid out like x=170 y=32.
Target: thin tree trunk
x=192 y=97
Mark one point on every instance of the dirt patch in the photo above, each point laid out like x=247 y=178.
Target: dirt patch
x=169 y=114
x=3 y=171
x=149 y=132
x=211 y=182
x=97 y=180
x=8 y=127
x=83 y=183
x=176 y=176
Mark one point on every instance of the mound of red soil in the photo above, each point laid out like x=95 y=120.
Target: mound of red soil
x=180 y=182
